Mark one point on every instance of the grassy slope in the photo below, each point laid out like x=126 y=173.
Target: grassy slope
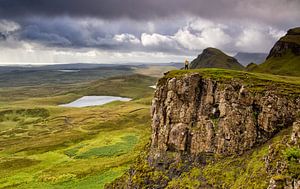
x=246 y=171
x=288 y=64
x=46 y=146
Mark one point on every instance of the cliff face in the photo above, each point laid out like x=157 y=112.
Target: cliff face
x=192 y=115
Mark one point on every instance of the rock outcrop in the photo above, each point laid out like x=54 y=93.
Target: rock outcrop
x=215 y=58
x=220 y=129
x=193 y=115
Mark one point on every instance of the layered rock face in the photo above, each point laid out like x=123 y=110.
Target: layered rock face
x=193 y=115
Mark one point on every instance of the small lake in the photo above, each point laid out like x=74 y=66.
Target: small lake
x=69 y=71
x=94 y=101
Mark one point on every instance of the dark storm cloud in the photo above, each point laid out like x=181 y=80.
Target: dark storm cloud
x=273 y=11
x=105 y=8
x=71 y=33
x=168 y=26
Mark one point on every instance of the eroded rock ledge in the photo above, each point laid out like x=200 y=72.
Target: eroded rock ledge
x=194 y=115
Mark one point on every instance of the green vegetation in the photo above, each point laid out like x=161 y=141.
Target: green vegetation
x=292 y=155
x=284 y=58
x=117 y=149
x=43 y=145
x=251 y=66
x=288 y=64
x=188 y=180
x=253 y=169
x=253 y=81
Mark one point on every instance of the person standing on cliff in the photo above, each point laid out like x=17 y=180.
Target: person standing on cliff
x=186 y=64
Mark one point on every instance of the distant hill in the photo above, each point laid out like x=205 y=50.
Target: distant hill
x=251 y=66
x=284 y=57
x=246 y=58
x=215 y=58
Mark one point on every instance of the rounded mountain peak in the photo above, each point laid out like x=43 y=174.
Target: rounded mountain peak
x=211 y=50
x=215 y=58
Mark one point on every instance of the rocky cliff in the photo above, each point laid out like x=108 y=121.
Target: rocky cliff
x=220 y=129
x=197 y=115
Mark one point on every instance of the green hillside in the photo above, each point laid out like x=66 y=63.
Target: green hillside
x=284 y=58
x=289 y=64
x=215 y=58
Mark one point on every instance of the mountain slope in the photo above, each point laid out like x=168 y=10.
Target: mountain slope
x=284 y=57
x=245 y=58
x=214 y=58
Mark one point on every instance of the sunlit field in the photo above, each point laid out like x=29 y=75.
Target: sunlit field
x=43 y=145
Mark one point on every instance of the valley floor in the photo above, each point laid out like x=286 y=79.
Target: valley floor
x=43 y=145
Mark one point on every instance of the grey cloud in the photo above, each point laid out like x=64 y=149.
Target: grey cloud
x=2 y=37
x=118 y=25
x=122 y=35
x=33 y=33
x=190 y=36
x=280 y=12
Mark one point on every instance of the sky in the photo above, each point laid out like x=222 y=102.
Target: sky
x=127 y=31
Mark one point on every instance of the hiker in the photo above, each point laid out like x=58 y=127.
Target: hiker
x=186 y=64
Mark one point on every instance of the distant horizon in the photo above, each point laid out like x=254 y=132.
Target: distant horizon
x=190 y=58
x=46 y=64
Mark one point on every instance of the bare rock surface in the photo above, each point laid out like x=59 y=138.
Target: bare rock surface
x=194 y=115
